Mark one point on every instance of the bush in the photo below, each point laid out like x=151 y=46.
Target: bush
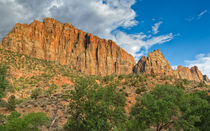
x=179 y=83
x=154 y=109
x=36 y=92
x=134 y=82
x=139 y=90
x=11 y=105
x=95 y=108
x=51 y=90
x=3 y=81
x=202 y=84
x=169 y=108
x=29 y=122
x=2 y=121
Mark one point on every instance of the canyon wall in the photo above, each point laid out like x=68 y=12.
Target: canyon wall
x=64 y=44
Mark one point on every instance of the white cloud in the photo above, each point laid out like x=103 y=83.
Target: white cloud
x=202 y=13
x=100 y=17
x=155 y=27
x=203 y=63
x=133 y=43
x=191 y=18
x=174 y=67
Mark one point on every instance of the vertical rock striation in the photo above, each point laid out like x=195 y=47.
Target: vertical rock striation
x=63 y=43
x=155 y=63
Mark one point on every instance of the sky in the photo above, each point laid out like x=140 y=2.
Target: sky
x=179 y=28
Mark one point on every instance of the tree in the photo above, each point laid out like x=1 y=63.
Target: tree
x=169 y=107
x=35 y=93
x=29 y=122
x=11 y=105
x=3 y=81
x=95 y=108
x=159 y=108
x=2 y=122
x=35 y=120
x=196 y=110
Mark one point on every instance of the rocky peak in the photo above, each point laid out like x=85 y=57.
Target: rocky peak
x=64 y=44
x=192 y=73
x=155 y=63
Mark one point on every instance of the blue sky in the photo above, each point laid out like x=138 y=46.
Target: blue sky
x=181 y=17
x=179 y=28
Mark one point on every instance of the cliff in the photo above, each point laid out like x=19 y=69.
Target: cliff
x=63 y=43
x=67 y=45
x=156 y=63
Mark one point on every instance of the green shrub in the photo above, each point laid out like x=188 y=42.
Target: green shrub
x=170 y=108
x=121 y=77
x=3 y=81
x=52 y=89
x=11 y=105
x=186 y=81
x=36 y=92
x=140 y=90
x=108 y=79
x=179 y=83
x=95 y=109
x=3 y=103
x=153 y=75
x=166 y=78
x=124 y=88
x=2 y=120
x=134 y=82
x=202 y=84
x=29 y=122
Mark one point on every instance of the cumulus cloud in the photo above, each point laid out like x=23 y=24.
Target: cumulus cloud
x=155 y=27
x=133 y=43
x=100 y=17
x=203 y=63
x=174 y=67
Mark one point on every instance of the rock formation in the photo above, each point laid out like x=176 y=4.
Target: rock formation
x=156 y=63
x=192 y=73
x=63 y=43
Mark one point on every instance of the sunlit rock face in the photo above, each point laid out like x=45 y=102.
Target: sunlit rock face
x=67 y=45
x=156 y=63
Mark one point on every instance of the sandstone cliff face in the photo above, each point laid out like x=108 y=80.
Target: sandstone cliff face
x=156 y=63
x=63 y=43
x=192 y=73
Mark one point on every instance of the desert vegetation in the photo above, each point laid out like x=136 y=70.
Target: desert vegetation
x=69 y=100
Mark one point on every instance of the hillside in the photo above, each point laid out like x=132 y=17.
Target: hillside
x=54 y=81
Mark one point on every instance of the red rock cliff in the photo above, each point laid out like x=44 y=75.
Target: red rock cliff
x=192 y=73
x=156 y=63
x=63 y=43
